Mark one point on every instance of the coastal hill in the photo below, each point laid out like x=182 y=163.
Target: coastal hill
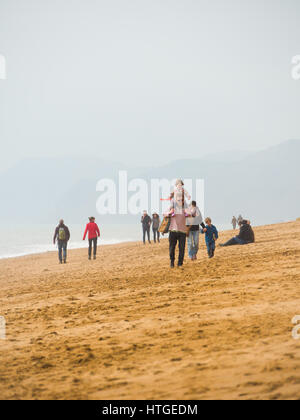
x=263 y=186
x=128 y=327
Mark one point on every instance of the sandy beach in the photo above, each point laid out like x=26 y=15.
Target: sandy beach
x=128 y=327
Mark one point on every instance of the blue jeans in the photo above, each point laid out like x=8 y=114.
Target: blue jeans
x=211 y=247
x=62 y=250
x=193 y=243
x=235 y=241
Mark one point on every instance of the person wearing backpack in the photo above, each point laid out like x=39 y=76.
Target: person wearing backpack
x=94 y=233
x=62 y=236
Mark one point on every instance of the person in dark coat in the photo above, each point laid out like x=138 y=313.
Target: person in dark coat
x=146 y=223
x=246 y=235
x=62 y=236
x=155 y=227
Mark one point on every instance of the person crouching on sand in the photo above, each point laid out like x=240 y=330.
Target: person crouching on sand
x=211 y=235
x=94 y=233
x=62 y=235
x=246 y=235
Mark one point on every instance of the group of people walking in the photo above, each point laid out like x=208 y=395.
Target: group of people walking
x=62 y=237
x=195 y=226
x=184 y=224
x=147 y=221
x=186 y=227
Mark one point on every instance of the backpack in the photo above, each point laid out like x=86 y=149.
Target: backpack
x=62 y=234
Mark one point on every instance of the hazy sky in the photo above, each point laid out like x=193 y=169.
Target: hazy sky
x=147 y=81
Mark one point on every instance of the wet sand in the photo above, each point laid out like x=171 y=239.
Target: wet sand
x=128 y=327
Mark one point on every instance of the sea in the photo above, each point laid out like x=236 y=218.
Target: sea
x=20 y=240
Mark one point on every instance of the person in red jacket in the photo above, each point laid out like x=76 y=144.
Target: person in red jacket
x=94 y=233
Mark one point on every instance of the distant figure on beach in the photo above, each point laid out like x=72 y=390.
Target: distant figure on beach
x=234 y=222
x=211 y=235
x=193 y=224
x=146 y=224
x=62 y=236
x=155 y=227
x=240 y=219
x=246 y=235
x=93 y=234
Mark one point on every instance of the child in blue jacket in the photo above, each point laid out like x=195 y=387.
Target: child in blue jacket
x=211 y=235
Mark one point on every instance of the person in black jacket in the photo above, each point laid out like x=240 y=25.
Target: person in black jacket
x=246 y=235
x=146 y=223
x=62 y=235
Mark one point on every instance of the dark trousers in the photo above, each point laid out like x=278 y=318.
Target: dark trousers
x=156 y=235
x=62 y=250
x=235 y=241
x=146 y=230
x=93 y=243
x=211 y=247
x=180 y=238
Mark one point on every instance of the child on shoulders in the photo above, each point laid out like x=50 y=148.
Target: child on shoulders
x=178 y=199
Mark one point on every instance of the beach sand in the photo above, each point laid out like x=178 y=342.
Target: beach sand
x=128 y=327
